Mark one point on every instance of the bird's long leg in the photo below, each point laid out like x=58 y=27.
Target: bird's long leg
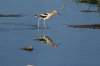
x=38 y=23
x=44 y=23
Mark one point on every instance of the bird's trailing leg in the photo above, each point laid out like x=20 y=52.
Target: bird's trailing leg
x=44 y=23
x=38 y=22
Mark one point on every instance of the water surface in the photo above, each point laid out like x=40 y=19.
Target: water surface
x=76 y=47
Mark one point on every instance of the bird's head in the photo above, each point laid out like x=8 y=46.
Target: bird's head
x=56 y=12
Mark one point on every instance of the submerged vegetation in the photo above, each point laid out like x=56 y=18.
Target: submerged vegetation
x=93 y=26
x=11 y=15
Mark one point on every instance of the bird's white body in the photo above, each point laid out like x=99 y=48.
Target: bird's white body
x=45 y=16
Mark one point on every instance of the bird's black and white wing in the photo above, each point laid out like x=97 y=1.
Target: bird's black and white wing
x=43 y=15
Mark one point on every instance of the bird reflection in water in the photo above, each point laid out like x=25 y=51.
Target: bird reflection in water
x=30 y=65
x=46 y=39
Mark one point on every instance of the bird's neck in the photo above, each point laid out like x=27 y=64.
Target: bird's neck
x=52 y=14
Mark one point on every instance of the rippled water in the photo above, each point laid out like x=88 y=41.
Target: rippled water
x=75 y=47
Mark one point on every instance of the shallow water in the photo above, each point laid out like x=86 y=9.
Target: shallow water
x=75 y=47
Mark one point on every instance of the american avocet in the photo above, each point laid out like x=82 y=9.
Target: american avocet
x=47 y=40
x=45 y=16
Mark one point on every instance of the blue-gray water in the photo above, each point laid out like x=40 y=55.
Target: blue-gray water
x=76 y=47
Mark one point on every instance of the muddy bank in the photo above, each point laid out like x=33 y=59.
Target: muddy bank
x=11 y=15
x=93 y=26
